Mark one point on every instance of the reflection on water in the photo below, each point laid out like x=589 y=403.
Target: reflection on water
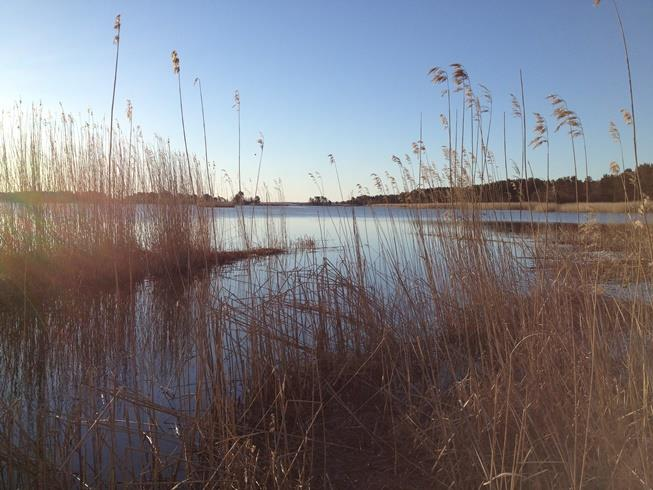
x=108 y=388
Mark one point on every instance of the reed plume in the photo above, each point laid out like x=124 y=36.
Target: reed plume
x=517 y=112
x=460 y=77
x=565 y=116
x=628 y=117
x=332 y=161
x=614 y=168
x=439 y=76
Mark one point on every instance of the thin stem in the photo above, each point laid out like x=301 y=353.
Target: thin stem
x=183 y=128
x=587 y=175
x=113 y=103
x=524 y=145
x=573 y=151
x=258 y=175
x=451 y=185
x=240 y=190
x=546 y=198
x=630 y=91
x=634 y=121
x=419 y=149
x=206 y=151
x=342 y=196
x=505 y=158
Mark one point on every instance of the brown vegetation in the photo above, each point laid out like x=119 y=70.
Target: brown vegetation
x=460 y=355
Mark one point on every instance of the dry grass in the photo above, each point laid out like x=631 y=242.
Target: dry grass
x=68 y=219
x=42 y=275
x=304 y=243
x=453 y=356
x=442 y=374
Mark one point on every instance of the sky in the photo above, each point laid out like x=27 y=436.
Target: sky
x=341 y=77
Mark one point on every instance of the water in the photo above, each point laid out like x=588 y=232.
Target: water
x=316 y=220
x=104 y=387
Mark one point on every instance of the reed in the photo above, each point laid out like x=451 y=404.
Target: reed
x=566 y=117
x=440 y=382
x=116 y=40
x=198 y=82
x=176 y=68
x=541 y=132
x=332 y=161
x=237 y=107
x=70 y=232
x=629 y=117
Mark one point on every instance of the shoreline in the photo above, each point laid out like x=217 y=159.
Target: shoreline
x=592 y=207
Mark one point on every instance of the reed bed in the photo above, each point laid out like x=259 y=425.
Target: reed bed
x=418 y=349
x=62 y=224
x=463 y=369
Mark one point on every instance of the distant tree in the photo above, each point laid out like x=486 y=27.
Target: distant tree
x=319 y=201
x=239 y=198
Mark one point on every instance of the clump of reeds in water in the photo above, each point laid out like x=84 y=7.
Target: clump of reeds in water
x=70 y=220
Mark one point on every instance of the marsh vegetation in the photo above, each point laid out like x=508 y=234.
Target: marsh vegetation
x=177 y=345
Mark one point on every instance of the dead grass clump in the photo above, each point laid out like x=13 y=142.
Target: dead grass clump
x=617 y=252
x=305 y=243
x=40 y=275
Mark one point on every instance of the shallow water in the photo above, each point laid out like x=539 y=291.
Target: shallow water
x=103 y=387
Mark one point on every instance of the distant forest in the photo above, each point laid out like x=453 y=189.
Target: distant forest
x=610 y=188
x=35 y=197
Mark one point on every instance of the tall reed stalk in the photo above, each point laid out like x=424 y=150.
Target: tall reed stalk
x=332 y=161
x=541 y=132
x=566 y=117
x=630 y=117
x=261 y=144
x=116 y=40
x=176 y=69
x=237 y=107
x=439 y=76
x=198 y=82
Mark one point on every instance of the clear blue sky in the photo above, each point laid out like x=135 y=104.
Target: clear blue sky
x=341 y=76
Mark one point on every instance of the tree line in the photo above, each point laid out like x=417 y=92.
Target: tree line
x=614 y=187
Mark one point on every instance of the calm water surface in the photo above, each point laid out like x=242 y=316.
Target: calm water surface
x=94 y=382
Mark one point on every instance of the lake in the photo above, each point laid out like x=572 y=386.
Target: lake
x=110 y=387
